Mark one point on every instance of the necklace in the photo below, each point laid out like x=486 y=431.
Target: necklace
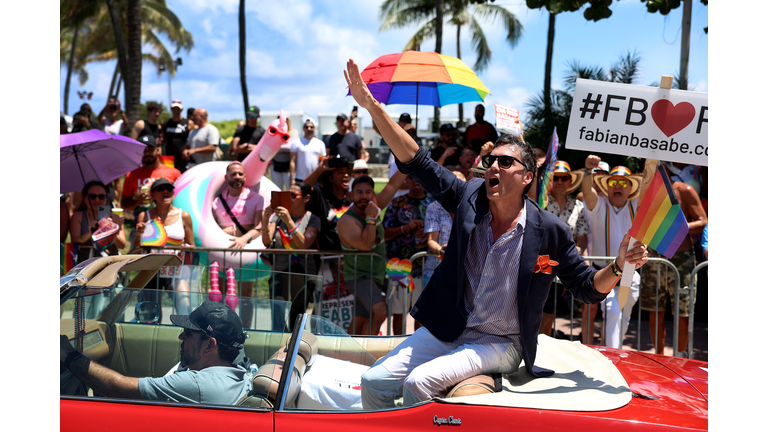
x=616 y=210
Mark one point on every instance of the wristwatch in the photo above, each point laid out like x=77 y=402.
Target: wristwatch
x=249 y=237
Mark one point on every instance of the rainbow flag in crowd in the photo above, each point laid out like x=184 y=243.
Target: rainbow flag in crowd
x=154 y=234
x=167 y=161
x=660 y=222
x=67 y=252
x=542 y=190
x=287 y=244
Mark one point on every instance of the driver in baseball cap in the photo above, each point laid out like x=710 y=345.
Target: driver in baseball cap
x=210 y=342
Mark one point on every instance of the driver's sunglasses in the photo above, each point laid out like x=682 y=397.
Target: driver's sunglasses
x=620 y=183
x=97 y=196
x=562 y=178
x=295 y=195
x=504 y=161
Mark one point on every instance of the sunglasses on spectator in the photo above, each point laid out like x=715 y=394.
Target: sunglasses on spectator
x=504 y=161
x=164 y=189
x=97 y=196
x=620 y=183
x=562 y=178
x=362 y=172
x=295 y=195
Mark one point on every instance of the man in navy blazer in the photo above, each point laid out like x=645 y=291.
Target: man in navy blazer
x=482 y=308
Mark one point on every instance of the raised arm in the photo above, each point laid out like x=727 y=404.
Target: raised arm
x=590 y=196
x=402 y=145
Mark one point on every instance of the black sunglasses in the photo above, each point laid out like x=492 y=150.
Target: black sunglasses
x=562 y=178
x=97 y=196
x=165 y=188
x=504 y=161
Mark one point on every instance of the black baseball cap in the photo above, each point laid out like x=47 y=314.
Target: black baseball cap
x=405 y=117
x=253 y=112
x=446 y=127
x=160 y=182
x=148 y=140
x=215 y=320
x=342 y=116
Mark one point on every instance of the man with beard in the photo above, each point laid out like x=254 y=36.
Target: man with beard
x=175 y=132
x=361 y=229
x=404 y=236
x=210 y=343
x=238 y=211
x=133 y=198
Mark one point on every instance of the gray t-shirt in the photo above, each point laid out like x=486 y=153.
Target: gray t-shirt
x=202 y=137
x=219 y=385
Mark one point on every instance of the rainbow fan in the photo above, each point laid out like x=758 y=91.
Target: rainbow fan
x=154 y=233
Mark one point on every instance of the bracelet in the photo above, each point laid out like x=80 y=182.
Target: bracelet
x=401 y=229
x=74 y=355
x=293 y=231
x=249 y=237
x=371 y=220
x=615 y=269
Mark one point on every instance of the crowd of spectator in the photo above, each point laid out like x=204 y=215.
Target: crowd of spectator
x=334 y=207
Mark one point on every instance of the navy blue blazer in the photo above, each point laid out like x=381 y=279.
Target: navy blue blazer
x=440 y=308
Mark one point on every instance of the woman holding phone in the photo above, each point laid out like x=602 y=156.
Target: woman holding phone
x=85 y=221
x=294 y=228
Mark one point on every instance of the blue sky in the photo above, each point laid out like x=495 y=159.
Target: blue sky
x=296 y=51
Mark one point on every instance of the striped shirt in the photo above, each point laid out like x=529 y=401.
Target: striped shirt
x=490 y=285
x=437 y=219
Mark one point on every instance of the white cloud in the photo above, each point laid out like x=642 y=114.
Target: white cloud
x=207 y=26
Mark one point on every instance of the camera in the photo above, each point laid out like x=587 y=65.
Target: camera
x=338 y=162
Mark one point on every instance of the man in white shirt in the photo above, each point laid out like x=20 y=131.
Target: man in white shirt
x=203 y=141
x=305 y=153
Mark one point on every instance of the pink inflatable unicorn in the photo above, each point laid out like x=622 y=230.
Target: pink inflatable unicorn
x=197 y=188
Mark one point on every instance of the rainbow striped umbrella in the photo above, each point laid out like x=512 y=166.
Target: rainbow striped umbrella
x=420 y=77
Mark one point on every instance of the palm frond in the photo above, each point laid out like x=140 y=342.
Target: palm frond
x=511 y=24
x=626 y=70
x=427 y=30
x=480 y=45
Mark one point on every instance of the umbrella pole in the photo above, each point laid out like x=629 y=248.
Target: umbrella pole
x=77 y=158
x=417 y=109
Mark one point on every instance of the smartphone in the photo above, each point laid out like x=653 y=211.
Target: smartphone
x=281 y=199
x=104 y=211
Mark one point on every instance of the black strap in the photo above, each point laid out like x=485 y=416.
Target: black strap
x=229 y=212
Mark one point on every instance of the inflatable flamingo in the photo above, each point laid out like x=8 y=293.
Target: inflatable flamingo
x=196 y=189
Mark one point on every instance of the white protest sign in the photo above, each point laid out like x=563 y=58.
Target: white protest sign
x=508 y=120
x=640 y=121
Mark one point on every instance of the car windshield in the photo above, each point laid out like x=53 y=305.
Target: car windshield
x=129 y=330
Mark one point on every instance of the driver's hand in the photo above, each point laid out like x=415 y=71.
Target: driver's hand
x=65 y=348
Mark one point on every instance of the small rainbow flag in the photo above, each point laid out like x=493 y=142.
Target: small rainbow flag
x=154 y=233
x=660 y=222
x=542 y=190
x=67 y=253
x=285 y=238
x=167 y=161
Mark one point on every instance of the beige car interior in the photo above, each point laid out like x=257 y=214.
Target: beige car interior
x=585 y=380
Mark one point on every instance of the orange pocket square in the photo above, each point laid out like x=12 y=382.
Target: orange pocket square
x=544 y=264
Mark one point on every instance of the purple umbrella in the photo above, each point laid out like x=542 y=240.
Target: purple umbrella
x=95 y=155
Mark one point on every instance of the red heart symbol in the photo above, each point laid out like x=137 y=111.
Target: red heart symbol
x=671 y=118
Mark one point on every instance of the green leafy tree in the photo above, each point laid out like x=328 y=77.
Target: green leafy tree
x=597 y=10
x=99 y=42
x=540 y=123
x=462 y=14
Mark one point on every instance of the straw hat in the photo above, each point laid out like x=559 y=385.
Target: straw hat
x=601 y=180
x=563 y=167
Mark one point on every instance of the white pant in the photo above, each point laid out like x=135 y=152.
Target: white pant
x=615 y=317
x=427 y=366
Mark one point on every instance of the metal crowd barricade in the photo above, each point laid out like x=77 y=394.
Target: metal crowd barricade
x=335 y=305
x=394 y=289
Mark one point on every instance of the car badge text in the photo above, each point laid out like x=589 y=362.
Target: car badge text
x=450 y=421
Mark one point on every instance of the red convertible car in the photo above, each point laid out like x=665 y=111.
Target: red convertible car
x=593 y=388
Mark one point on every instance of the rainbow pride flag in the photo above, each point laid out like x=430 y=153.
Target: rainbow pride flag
x=67 y=252
x=167 y=161
x=285 y=238
x=154 y=233
x=660 y=222
x=542 y=189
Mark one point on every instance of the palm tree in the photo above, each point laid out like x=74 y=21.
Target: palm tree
x=542 y=117
x=98 y=41
x=403 y=13
x=243 y=84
